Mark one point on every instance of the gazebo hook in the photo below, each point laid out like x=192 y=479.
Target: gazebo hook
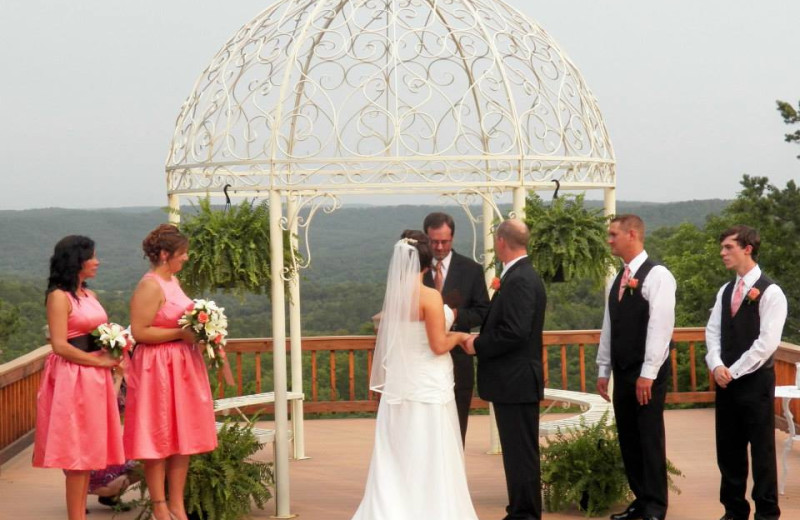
x=558 y=186
x=227 y=197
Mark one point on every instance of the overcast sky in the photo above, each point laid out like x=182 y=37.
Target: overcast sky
x=90 y=90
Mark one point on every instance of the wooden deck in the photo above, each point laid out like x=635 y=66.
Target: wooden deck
x=328 y=486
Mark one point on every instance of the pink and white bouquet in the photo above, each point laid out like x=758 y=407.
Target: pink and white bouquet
x=210 y=325
x=114 y=339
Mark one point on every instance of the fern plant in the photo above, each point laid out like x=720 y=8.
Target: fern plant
x=223 y=484
x=229 y=250
x=567 y=240
x=583 y=467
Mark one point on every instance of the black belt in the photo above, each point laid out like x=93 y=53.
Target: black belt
x=85 y=343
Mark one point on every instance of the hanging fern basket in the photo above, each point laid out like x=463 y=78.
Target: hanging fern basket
x=568 y=240
x=229 y=249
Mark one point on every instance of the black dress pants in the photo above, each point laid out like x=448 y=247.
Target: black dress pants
x=518 y=426
x=745 y=415
x=642 y=439
x=464 y=375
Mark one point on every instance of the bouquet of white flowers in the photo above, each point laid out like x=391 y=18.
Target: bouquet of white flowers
x=114 y=339
x=211 y=327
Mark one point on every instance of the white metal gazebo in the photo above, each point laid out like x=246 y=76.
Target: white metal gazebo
x=314 y=99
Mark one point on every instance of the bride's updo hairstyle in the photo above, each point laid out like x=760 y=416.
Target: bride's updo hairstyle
x=423 y=246
x=165 y=237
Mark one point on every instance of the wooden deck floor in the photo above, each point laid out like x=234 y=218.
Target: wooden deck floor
x=328 y=486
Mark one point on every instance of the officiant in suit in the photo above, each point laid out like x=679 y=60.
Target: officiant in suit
x=509 y=351
x=463 y=287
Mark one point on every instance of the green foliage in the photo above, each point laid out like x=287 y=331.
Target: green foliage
x=223 y=484
x=568 y=238
x=692 y=255
x=584 y=462
x=230 y=249
x=790 y=117
x=9 y=321
x=775 y=213
x=583 y=466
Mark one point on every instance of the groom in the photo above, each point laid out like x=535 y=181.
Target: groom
x=509 y=351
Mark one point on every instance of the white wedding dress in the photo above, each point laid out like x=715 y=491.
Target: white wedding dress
x=417 y=467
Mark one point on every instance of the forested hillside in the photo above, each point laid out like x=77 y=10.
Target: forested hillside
x=341 y=289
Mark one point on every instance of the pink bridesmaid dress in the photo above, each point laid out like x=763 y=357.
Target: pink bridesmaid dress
x=77 y=419
x=169 y=409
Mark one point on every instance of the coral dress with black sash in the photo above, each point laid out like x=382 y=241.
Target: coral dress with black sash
x=77 y=419
x=169 y=408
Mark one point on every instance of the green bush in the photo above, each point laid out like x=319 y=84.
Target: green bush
x=583 y=467
x=225 y=483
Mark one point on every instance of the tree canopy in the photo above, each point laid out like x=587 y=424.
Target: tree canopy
x=790 y=116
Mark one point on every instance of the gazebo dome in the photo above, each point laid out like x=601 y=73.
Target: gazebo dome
x=389 y=95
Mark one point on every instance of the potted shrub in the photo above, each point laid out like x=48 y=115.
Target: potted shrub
x=230 y=249
x=583 y=467
x=225 y=483
x=567 y=240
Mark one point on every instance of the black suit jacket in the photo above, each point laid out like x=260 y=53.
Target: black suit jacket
x=464 y=290
x=509 y=348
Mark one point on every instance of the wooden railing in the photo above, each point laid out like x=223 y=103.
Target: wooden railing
x=19 y=384
x=336 y=375
x=339 y=368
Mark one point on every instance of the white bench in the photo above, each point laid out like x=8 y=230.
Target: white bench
x=264 y=435
x=592 y=405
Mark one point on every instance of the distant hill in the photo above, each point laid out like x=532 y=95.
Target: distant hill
x=351 y=244
x=341 y=290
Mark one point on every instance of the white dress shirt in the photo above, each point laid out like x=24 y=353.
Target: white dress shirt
x=659 y=291
x=772 y=310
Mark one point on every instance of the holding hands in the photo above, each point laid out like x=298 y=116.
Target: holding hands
x=468 y=344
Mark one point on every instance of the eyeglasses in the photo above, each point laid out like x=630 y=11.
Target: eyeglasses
x=440 y=242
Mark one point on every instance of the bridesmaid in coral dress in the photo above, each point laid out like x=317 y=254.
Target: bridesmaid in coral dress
x=169 y=413
x=77 y=420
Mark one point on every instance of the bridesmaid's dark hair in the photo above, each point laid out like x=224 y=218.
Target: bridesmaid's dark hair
x=67 y=261
x=423 y=245
x=165 y=237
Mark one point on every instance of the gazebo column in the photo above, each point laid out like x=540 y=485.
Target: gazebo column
x=489 y=274
x=519 y=202
x=609 y=209
x=279 y=357
x=174 y=202
x=295 y=334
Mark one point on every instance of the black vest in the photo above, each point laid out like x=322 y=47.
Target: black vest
x=629 y=318
x=739 y=332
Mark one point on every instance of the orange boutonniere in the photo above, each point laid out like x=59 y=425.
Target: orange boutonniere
x=632 y=285
x=752 y=295
x=495 y=284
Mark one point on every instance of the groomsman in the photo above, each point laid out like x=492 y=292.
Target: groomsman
x=463 y=287
x=510 y=375
x=742 y=334
x=634 y=346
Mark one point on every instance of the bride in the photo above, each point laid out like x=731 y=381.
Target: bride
x=417 y=467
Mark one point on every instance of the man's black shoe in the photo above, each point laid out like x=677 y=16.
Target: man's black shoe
x=632 y=513
x=726 y=517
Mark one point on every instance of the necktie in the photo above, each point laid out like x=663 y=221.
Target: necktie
x=738 y=296
x=438 y=279
x=626 y=275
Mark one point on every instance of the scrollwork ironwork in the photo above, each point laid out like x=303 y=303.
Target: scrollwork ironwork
x=374 y=95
